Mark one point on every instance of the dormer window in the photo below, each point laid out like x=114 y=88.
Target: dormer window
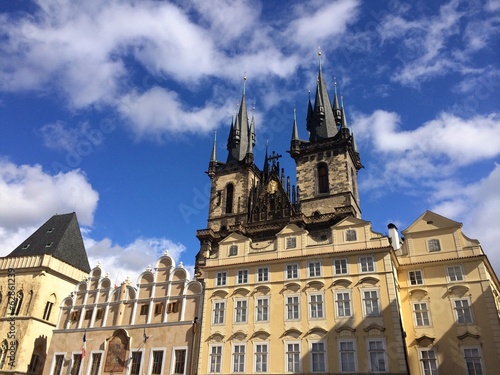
x=50 y=230
x=350 y=235
x=434 y=245
x=26 y=246
x=49 y=244
x=291 y=242
x=233 y=250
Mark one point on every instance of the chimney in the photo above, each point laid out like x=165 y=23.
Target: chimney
x=394 y=236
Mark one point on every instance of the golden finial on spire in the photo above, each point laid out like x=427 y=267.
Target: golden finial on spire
x=244 y=81
x=294 y=113
x=319 y=57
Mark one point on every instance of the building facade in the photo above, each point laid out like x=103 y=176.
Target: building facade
x=147 y=328
x=34 y=279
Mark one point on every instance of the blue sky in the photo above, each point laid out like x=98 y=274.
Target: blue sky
x=108 y=108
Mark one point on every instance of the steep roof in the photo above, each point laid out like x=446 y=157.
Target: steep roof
x=60 y=237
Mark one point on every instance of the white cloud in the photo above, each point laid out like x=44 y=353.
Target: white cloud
x=318 y=22
x=131 y=260
x=29 y=197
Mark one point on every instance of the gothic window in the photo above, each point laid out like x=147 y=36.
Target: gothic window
x=322 y=175
x=229 y=198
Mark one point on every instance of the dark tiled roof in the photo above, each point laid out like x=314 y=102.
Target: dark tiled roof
x=60 y=237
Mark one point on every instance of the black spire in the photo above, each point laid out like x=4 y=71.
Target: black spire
x=239 y=135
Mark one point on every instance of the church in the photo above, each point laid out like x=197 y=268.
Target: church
x=289 y=278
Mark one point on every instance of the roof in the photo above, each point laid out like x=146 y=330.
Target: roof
x=60 y=237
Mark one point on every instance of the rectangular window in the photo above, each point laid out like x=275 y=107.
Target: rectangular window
x=88 y=314
x=33 y=365
x=75 y=365
x=473 y=361
x=350 y=235
x=144 y=309
x=428 y=361
x=292 y=307
x=47 y=311
x=291 y=242
x=262 y=309
x=173 y=307
x=157 y=362
x=221 y=278
x=347 y=356
x=370 y=302
x=233 y=250
x=455 y=273
x=96 y=363
x=421 y=314
x=75 y=315
x=215 y=358
x=58 y=364
x=99 y=313
x=218 y=312
x=343 y=302
x=366 y=264
x=318 y=357
x=376 y=354
x=136 y=363
x=316 y=306
x=415 y=277
x=180 y=361
x=261 y=357
x=241 y=311
x=292 y=271
x=434 y=245
x=293 y=357
x=314 y=269
x=239 y=358
x=463 y=312
x=340 y=266
x=262 y=274
x=242 y=277
x=158 y=308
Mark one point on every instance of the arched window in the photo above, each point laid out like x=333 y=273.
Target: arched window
x=322 y=175
x=4 y=348
x=15 y=308
x=229 y=198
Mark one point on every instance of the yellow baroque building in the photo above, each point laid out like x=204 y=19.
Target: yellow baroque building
x=147 y=328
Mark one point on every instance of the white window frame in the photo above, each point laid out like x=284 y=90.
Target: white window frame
x=163 y=359
x=72 y=360
x=291 y=242
x=53 y=364
x=219 y=356
x=415 y=277
x=423 y=313
x=354 y=351
x=428 y=360
x=363 y=300
x=318 y=307
x=91 y=356
x=480 y=358
x=240 y=312
x=346 y=266
x=173 y=359
x=267 y=307
x=343 y=302
x=221 y=278
x=242 y=276
x=316 y=270
x=455 y=309
x=141 y=366
x=296 y=267
x=261 y=353
x=223 y=303
x=299 y=364
x=370 y=264
x=434 y=248
x=266 y=273
x=454 y=273
x=384 y=355
x=233 y=356
x=325 y=355
x=297 y=296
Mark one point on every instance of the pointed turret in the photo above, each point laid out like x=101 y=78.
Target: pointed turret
x=309 y=117
x=295 y=145
x=322 y=124
x=212 y=165
x=337 y=112
x=238 y=142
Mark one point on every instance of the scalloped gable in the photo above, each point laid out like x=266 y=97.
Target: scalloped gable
x=351 y=221
x=431 y=221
